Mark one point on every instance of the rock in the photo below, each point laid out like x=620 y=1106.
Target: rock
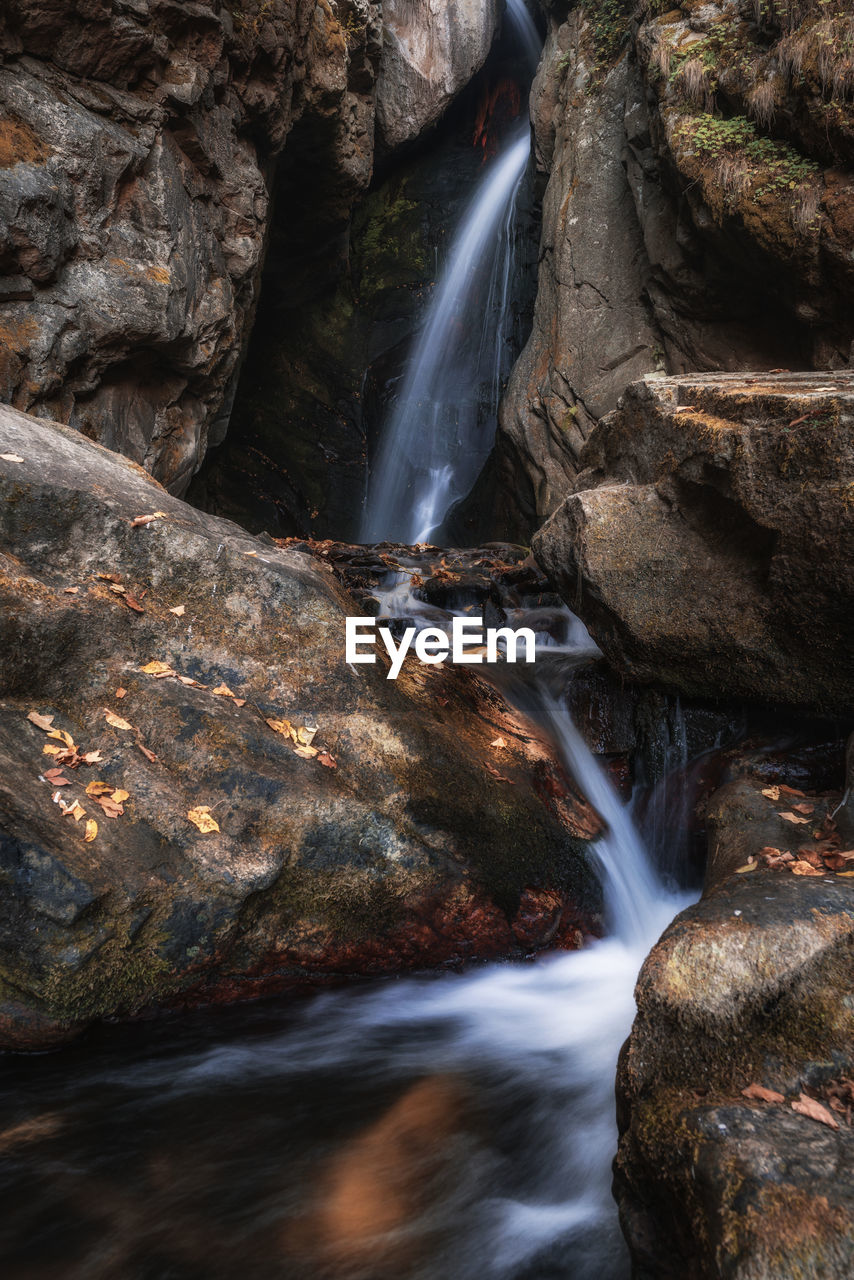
x=403 y=851
x=691 y=545
x=430 y=53
x=697 y=217
x=136 y=146
x=747 y=987
x=592 y=331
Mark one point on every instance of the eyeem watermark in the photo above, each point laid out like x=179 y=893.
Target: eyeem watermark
x=467 y=643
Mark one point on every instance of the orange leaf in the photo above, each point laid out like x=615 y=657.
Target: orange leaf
x=791 y=817
x=804 y=869
x=71 y=591
x=43 y=722
x=772 y=793
x=804 y=808
x=223 y=691
x=813 y=1110
x=116 y=721
x=142 y=520
x=328 y=760
x=121 y=693
x=760 y=1094
x=95 y=788
x=132 y=603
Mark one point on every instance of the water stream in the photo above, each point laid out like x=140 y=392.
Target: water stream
x=442 y=423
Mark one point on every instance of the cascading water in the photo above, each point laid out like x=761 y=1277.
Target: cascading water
x=442 y=424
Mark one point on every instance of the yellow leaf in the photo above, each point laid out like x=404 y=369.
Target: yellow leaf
x=223 y=691
x=284 y=727
x=43 y=722
x=178 y=611
x=91 y=830
x=77 y=811
x=748 y=866
x=772 y=793
x=50 y=750
x=305 y=734
x=116 y=721
x=63 y=737
x=94 y=788
x=201 y=817
x=118 y=796
x=306 y=753
x=156 y=668
x=499 y=742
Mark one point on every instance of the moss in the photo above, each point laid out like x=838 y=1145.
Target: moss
x=388 y=242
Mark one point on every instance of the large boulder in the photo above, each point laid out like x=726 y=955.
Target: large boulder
x=389 y=830
x=136 y=147
x=696 y=217
x=430 y=53
x=736 y=1087
x=710 y=539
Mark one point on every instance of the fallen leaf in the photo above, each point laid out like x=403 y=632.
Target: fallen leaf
x=92 y=757
x=141 y=520
x=845 y=873
x=804 y=869
x=109 y=806
x=110 y=577
x=11 y=457
x=132 y=603
x=250 y=553
x=195 y=684
x=157 y=668
x=790 y=791
x=771 y=793
x=223 y=691
x=50 y=750
x=804 y=808
x=748 y=866
x=770 y=852
x=240 y=702
x=116 y=721
x=63 y=737
x=118 y=589
x=498 y=742
x=71 y=591
x=326 y=759
x=305 y=734
x=149 y=755
x=792 y=817
x=305 y=752
x=43 y=722
x=178 y=611
x=761 y=1094
x=814 y=1111
x=201 y=817
x=91 y=830
x=283 y=727
x=95 y=788
x=56 y=778
x=77 y=811
x=121 y=692
x=118 y=796
x=497 y=775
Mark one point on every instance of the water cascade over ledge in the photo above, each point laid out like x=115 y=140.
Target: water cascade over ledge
x=442 y=422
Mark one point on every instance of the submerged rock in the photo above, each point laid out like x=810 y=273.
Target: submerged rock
x=407 y=840
x=709 y=542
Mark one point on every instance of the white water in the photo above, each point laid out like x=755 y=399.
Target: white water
x=442 y=424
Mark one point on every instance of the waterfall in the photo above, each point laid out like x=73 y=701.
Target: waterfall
x=442 y=424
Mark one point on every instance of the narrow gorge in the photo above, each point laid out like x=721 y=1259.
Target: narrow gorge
x=533 y=316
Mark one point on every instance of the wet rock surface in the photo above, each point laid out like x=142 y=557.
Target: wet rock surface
x=691 y=544
x=409 y=840
x=747 y=988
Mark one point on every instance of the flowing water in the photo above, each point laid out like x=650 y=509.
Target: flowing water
x=452 y=1127
x=442 y=423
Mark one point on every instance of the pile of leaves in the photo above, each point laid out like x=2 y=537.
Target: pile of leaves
x=837 y=1094
x=815 y=857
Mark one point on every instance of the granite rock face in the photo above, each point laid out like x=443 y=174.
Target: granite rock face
x=696 y=217
x=709 y=543
x=750 y=987
x=376 y=837
x=430 y=53
x=136 y=146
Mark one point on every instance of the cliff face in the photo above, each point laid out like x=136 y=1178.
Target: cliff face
x=697 y=214
x=136 y=138
x=137 y=148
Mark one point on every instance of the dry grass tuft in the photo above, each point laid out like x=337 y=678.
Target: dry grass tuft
x=762 y=103
x=805 y=209
x=732 y=174
x=693 y=84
